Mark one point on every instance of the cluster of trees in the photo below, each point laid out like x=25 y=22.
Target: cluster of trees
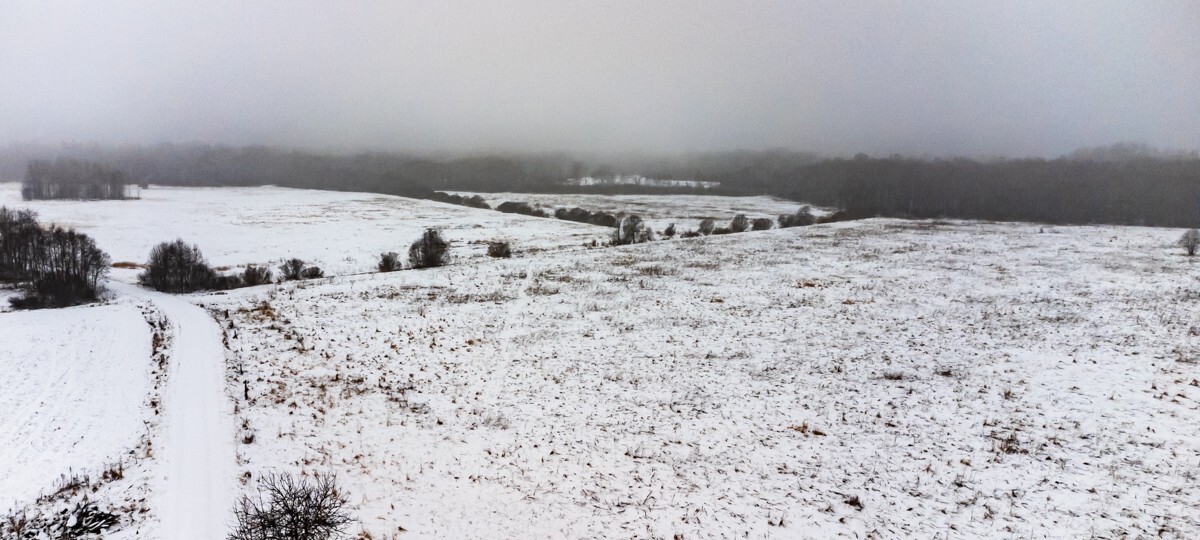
x=54 y=267
x=72 y=179
x=178 y=267
x=584 y=216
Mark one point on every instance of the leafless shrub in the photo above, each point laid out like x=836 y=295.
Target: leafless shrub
x=499 y=250
x=430 y=250
x=632 y=230
x=291 y=269
x=176 y=267
x=740 y=223
x=1190 y=241
x=389 y=262
x=288 y=507
x=256 y=275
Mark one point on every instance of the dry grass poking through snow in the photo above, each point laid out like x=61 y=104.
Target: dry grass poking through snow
x=880 y=378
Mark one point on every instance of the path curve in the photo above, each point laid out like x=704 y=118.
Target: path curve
x=196 y=450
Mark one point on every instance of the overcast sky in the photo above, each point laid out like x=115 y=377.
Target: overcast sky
x=954 y=77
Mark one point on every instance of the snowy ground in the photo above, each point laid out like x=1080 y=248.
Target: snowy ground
x=74 y=394
x=879 y=378
x=685 y=211
x=340 y=232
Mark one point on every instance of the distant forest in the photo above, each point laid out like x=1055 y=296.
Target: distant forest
x=1120 y=184
x=65 y=178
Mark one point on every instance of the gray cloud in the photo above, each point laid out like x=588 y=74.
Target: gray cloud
x=952 y=77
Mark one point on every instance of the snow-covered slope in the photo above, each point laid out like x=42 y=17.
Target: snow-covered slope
x=340 y=232
x=868 y=379
x=73 y=390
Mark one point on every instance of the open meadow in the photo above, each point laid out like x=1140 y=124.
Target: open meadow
x=877 y=378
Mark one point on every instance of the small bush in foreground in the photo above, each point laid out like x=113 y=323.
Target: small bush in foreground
x=389 y=262
x=287 y=507
x=499 y=249
x=177 y=268
x=430 y=250
x=1190 y=241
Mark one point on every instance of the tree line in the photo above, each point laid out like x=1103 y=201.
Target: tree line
x=1144 y=191
x=53 y=266
x=1120 y=184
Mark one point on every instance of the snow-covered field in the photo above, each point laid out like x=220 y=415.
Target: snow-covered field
x=74 y=391
x=659 y=211
x=340 y=232
x=879 y=378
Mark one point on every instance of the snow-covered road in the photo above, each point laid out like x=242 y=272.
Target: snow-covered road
x=196 y=450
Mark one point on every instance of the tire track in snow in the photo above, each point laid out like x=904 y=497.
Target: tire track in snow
x=196 y=448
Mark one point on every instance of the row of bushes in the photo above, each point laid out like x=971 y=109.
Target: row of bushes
x=513 y=207
x=584 y=216
x=177 y=267
x=632 y=229
x=474 y=201
x=54 y=267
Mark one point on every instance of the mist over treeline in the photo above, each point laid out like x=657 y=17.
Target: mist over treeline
x=1125 y=183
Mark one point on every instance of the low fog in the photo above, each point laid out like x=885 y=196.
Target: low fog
x=934 y=78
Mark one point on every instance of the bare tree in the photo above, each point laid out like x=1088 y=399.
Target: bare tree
x=292 y=269
x=287 y=507
x=177 y=267
x=389 y=262
x=1190 y=241
x=429 y=250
